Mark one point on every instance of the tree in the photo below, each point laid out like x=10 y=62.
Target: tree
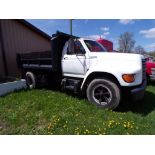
x=126 y=42
x=152 y=53
x=139 y=50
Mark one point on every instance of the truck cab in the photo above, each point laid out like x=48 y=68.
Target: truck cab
x=88 y=60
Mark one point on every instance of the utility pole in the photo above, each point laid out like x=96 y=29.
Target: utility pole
x=70 y=26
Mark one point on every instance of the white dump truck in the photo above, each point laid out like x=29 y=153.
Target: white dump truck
x=83 y=65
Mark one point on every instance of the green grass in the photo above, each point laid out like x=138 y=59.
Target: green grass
x=52 y=112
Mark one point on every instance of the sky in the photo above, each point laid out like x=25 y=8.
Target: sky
x=143 y=30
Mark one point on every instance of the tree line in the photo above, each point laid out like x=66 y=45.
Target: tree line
x=127 y=45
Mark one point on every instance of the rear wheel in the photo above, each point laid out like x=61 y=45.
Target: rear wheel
x=30 y=80
x=104 y=93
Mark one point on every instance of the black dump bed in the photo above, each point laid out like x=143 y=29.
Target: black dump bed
x=45 y=60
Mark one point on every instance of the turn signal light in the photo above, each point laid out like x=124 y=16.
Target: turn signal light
x=129 y=78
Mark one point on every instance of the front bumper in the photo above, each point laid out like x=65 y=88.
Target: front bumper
x=138 y=92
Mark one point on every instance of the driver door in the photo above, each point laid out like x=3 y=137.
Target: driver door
x=74 y=60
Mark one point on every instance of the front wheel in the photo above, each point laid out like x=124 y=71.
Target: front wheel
x=104 y=93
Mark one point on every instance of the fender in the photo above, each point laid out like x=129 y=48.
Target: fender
x=116 y=69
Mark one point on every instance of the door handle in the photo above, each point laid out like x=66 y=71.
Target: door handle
x=65 y=58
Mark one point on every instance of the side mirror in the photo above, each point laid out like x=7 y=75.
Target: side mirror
x=70 y=46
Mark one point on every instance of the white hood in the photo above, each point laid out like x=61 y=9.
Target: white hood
x=116 y=56
x=117 y=64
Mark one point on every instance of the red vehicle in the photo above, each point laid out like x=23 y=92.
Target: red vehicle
x=106 y=44
x=150 y=68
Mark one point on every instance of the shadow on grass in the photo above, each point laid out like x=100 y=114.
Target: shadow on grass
x=57 y=88
x=143 y=107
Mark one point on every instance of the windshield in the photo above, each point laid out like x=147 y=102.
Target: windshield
x=94 y=46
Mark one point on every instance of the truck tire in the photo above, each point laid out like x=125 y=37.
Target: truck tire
x=104 y=93
x=30 y=80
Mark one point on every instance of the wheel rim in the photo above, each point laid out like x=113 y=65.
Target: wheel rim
x=102 y=94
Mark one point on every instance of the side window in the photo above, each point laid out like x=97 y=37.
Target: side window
x=74 y=47
x=78 y=48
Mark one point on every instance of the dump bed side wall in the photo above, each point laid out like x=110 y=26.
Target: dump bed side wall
x=35 y=60
x=43 y=58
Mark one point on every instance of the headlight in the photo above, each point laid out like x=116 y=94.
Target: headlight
x=129 y=78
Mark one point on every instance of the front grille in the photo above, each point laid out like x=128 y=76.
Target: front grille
x=143 y=69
